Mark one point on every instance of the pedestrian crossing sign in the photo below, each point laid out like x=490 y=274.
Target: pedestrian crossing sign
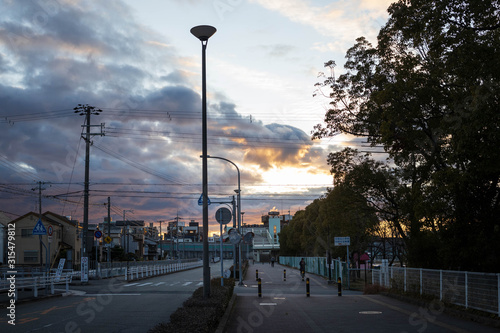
x=39 y=229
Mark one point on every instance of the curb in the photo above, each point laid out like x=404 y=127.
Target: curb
x=223 y=322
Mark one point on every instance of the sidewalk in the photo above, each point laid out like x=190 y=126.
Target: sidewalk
x=284 y=305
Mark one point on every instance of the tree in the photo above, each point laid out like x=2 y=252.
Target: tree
x=429 y=93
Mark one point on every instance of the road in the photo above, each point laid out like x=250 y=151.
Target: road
x=109 y=305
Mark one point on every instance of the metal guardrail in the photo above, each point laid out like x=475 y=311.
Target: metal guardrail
x=140 y=272
x=34 y=283
x=480 y=291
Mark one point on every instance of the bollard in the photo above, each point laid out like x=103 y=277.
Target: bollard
x=256 y=275
x=308 y=293
x=339 y=283
x=284 y=275
x=302 y=273
x=259 y=287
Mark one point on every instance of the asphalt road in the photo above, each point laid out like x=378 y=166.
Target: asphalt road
x=109 y=305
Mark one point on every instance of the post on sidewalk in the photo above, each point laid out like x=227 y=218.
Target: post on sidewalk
x=259 y=287
x=339 y=283
x=308 y=290
x=284 y=275
x=256 y=275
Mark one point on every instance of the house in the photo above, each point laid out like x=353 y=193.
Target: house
x=65 y=241
x=4 y=221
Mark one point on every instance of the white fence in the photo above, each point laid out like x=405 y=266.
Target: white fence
x=144 y=271
x=480 y=291
x=34 y=283
x=121 y=268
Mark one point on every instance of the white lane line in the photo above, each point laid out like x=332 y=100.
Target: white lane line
x=131 y=284
x=97 y=295
x=144 y=284
x=157 y=284
x=199 y=283
x=187 y=283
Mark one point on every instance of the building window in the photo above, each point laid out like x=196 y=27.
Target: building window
x=26 y=233
x=30 y=256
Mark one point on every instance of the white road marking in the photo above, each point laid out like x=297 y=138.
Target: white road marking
x=144 y=284
x=187 y=283
x=97 y=295
x=131 y=284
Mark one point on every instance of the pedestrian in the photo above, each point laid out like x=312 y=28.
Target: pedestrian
x=302 y=267
x=272 y=262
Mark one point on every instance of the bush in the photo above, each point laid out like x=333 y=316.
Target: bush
x=197 y=314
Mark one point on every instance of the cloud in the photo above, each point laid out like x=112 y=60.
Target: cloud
x=56 y=55
x=339 y=19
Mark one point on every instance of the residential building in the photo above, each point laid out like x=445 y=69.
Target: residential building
x=65 y=241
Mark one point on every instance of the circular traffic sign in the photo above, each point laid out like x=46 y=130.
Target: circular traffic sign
x=98 y=234
x=50 y=230
x=223 y=215
x=247 y=239
x=234 y=236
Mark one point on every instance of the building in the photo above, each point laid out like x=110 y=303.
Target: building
x=4 y=221
x=65 y=241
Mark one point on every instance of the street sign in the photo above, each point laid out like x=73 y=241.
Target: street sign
x=50 y=230
x=108 y=239
x=223 y=215
x=248 y=238
x=342 y=241
x=50 y=239
x=84 y=277
x=60 y=269
x=39 y=229
x=200 y=200
x=98 y=234
x=234 y=236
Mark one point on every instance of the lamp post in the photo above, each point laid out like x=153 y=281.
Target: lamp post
x=238 y=191
x=203 y=33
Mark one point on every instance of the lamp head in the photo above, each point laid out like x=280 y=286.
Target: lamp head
x=203 y=32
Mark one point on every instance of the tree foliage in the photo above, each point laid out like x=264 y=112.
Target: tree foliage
x=428 y=92
x=342 y=212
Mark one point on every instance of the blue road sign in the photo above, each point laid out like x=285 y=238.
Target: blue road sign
x=98 y=234
x=200 y=200
x=39 y=229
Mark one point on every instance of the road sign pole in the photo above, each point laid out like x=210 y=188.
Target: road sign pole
x=221 y=255
x=348 y=277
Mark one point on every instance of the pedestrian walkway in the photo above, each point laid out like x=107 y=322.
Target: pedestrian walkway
x=285 y=307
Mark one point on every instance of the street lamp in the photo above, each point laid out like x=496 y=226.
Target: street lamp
x=238 y=191
x=203 y=33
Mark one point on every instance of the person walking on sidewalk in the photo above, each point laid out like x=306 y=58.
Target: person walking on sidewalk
x=272 y=262
x=302 y=267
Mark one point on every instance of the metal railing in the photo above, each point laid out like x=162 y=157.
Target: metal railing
x=34 y=283
x=480 y=291
x=123 y=268
x=144 y=271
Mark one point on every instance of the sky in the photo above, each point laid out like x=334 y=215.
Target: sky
x=138 y=62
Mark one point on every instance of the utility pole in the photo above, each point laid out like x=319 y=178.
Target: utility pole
x=86 y=110
x=161 y=237
x=109 y=228
x=40 y=189
x=126 y=229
